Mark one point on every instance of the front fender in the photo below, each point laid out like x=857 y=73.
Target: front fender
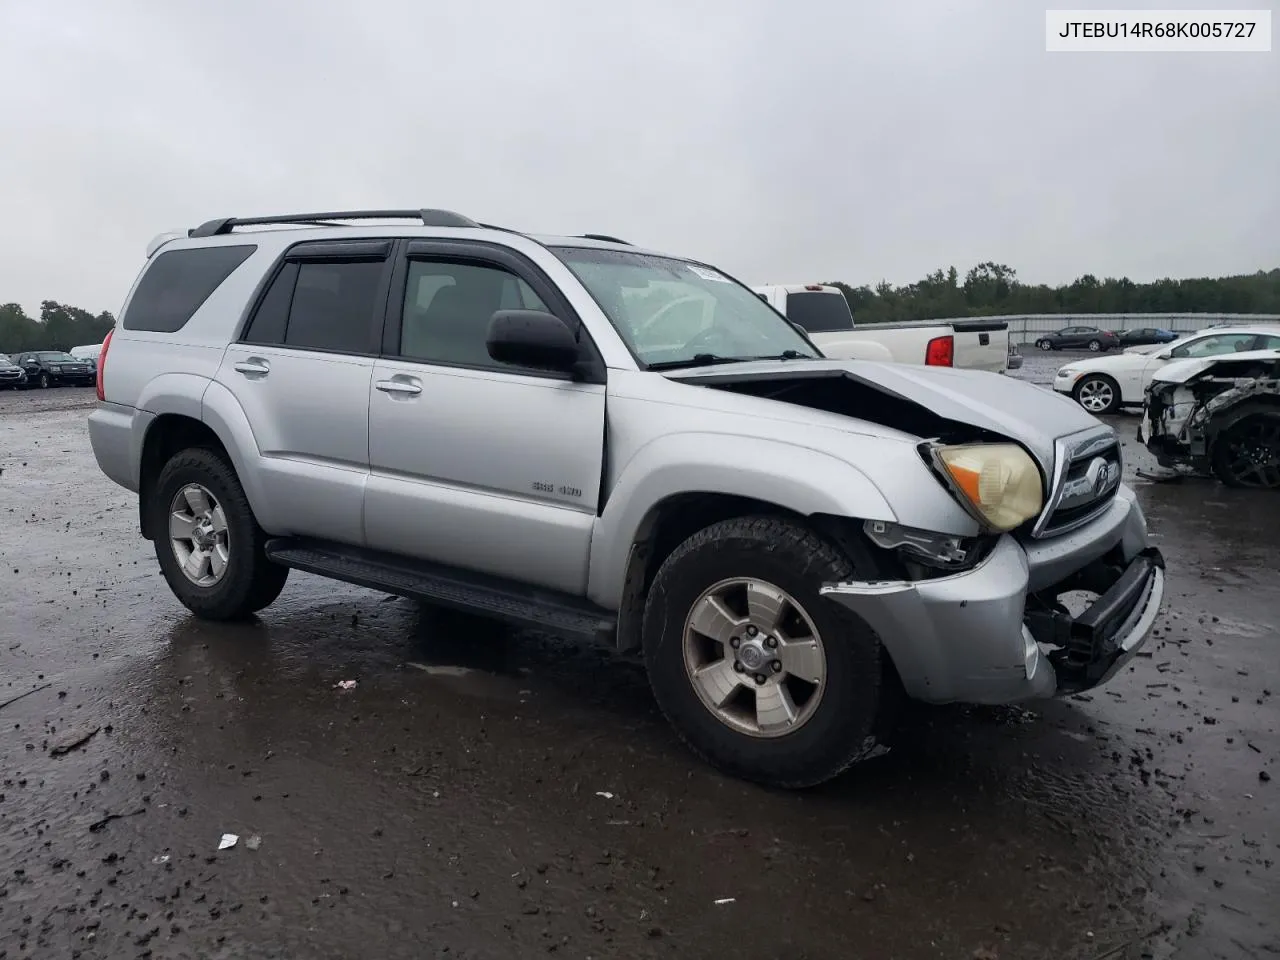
x=797 y=478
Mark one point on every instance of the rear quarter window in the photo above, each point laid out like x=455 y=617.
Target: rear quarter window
x=174 y=287
x=819 y=312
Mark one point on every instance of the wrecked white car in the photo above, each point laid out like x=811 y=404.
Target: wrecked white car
x=1218 y=415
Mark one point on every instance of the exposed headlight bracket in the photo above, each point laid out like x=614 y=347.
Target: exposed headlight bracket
x=923 y=546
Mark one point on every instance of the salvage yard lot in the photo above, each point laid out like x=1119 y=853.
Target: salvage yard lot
x=508 y=795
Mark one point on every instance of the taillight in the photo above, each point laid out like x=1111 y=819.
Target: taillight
x=940 y=352
x=102 y=361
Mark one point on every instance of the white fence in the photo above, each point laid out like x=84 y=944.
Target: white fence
x=1024 y=327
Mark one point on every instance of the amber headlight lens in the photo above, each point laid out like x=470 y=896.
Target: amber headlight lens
x=999 y=480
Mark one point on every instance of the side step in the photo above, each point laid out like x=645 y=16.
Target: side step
x=515 y=603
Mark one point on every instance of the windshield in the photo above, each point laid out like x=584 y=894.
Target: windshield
x=672 y=312
x=54 y=355
x=819 y=312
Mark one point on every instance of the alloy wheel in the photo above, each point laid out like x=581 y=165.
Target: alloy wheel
x=1096 y=395
x=198 y=535
x=754 y=657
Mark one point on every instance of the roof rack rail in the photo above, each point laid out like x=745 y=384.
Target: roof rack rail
x=428 y=218
x=603 y=236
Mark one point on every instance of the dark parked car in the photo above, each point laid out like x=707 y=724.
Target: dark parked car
x=12 y=376
x=1145 y=336
x=1090 y=338
x=48 y=368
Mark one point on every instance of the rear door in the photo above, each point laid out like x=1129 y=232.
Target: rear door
x=301 y=373
x=476 y=463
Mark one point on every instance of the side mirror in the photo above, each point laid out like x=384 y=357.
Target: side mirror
x=1164 y=355
x=531 y=338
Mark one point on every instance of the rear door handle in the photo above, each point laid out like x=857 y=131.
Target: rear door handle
x=253 y=368
x=403 y=387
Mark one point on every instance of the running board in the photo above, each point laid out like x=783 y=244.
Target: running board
x=515 y=603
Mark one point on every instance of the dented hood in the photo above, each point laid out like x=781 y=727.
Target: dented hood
x=1031 y=415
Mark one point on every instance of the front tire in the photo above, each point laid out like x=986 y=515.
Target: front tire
x=209 y=545
x=44 y=381
x=1098 y=394
x=743 y=593
x=1044 y=345
x=1247 y=453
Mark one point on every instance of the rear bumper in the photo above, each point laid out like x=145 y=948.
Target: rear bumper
x=115 y=433
x=971 y=637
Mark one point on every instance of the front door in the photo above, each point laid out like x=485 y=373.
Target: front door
x=475 y=463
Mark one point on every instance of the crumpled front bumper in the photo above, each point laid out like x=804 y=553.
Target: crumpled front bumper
x=970 y=638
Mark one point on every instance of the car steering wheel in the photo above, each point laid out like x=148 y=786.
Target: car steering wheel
x=712 y=339
x=662 y=312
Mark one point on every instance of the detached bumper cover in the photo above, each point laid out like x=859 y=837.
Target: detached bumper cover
x=969 y=638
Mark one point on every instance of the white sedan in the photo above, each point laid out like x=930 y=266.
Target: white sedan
x=1105 y=384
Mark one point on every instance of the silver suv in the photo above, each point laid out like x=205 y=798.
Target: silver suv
x=614 y=444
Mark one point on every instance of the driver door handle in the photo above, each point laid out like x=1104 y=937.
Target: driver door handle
x=253 y=367
x=402 y=387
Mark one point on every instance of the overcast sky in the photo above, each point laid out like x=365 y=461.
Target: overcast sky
x=785 y=140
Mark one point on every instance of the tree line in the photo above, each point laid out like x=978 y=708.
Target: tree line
x=59 y=327
x=992 y=289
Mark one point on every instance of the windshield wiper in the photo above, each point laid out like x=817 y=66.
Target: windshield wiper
x=788 y=355
x=697 y=360
x=707 y=359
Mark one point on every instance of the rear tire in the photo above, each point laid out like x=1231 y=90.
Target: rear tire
x=44 y=381
x=1095 y=345
x=249 y=581
x=833 y=723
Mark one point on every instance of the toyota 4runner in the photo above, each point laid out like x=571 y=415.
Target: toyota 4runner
x=609 y=443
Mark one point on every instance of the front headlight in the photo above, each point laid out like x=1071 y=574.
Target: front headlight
x=999 y=482
x=1066 y=372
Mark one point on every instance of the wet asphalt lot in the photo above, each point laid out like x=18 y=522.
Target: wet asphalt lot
x=484 y=794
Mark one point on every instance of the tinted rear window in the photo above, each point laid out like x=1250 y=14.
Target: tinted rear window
x=819 y=312
x=175 y=286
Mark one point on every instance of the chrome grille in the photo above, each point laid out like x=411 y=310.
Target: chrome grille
x=1087 y=471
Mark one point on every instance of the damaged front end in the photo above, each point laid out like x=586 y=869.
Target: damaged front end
x=1218 y=416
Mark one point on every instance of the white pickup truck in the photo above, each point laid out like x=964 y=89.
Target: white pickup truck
x=823 y=312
